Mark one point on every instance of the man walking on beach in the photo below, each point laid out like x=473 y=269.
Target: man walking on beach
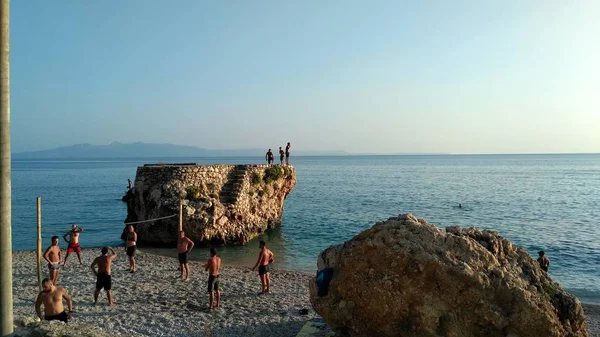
x=130 y=247
x=52 y=298
x=52 y=255
x=73 y=242
x=184 y=247
x=287 y=153
x=543 y=261
x=265 y=257
x=103 y=278
x=213 y=266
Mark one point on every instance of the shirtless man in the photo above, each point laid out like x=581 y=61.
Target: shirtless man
x=52 y=298
x=287 y=153
x=52 y=255
x=103 y=279
x=543 y=261
x=281 y=156
x=269 y=157
x=130 y=247
x=265 y=257
x=73 y=242
x=184 y=246
x=213 y=266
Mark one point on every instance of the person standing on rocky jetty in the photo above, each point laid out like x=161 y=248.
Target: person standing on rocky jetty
x=73 y=242
x=213 y=266
x=129 y=185
x=287 y=153
x=269 y=157
x=52 y=298
x=543 y=261
x=184 y=246
x=130 y=247
x=281 y=154
x=265 y=257
x=53 y=256
x=103 y=278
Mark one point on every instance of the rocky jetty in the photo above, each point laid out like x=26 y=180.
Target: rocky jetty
x=406 y=277
x=221 y=203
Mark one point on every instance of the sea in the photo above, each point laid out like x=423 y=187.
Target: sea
x=539 y=202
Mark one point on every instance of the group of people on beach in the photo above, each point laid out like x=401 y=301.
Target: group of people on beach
x=52 y=296
x=270 y=158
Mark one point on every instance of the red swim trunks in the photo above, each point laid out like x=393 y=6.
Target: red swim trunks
x=73 y=248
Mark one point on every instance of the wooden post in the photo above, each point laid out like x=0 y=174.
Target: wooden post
x=6 y=290
x=180 y=215
x=39 y=242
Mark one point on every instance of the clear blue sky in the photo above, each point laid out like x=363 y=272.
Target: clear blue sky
x=376 y=76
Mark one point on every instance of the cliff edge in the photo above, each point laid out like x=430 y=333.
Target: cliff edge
x=220 y=202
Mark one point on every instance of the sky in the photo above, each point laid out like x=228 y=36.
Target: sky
x=359 y=76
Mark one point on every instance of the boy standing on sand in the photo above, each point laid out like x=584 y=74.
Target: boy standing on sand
x=184 y=246
x=103 y=278
x=73 y=242
x=265 y=257
x=52 y=298
x=213 y=266
x=543 y=261
x=52 y=255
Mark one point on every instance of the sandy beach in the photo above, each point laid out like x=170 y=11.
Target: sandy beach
x=154 y=302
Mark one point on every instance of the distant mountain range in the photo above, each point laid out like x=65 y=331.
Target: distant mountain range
x=146 y=150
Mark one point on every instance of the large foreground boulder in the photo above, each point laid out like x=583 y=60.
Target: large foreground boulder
x=405 y=277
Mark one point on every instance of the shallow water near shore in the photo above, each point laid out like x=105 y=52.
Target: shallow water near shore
x=548 y=202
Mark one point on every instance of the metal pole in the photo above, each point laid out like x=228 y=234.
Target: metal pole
x=39 y=241
x=6 y=295
x=180 y=216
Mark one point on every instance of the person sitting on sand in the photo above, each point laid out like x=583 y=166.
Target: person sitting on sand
x=53 y=256
x=543 y=261
x=52 y=298
x=184 y=247
x=213 y=266
x=130 y=247
x=73 y=242
x=265 y=257
x=103 y=278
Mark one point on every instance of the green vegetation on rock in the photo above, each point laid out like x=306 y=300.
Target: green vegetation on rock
x=273 y=173
x=193 y=192
x=256 y=178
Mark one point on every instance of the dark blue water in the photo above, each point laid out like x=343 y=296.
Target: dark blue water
x=548 y=202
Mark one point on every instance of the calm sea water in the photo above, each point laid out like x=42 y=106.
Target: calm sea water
x=548 y=202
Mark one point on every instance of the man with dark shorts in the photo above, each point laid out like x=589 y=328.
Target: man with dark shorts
x=213 y=266
x=184 y=246
x=281 y=153
x=130 y=247
x=269 y=157
x=52 y=298
x=53 y=256
x=73 y=242
x=287 y=153
x=265 y=257
x=543 y=261
x=103 y=278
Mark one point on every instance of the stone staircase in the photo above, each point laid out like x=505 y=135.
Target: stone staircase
x=233 y=187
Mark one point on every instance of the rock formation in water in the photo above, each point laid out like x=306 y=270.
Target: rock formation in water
x=220 y=202
x=405 y=277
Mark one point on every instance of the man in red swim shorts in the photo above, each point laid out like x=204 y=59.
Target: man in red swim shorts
x=73 y=242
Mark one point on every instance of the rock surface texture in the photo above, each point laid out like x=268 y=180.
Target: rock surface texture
x=220 y=202
x=405 y=277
